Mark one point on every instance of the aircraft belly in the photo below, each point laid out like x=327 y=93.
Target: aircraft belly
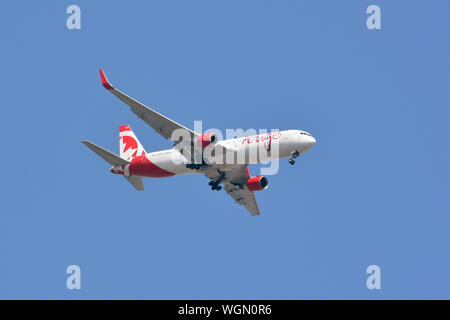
x=172 y=162
x=258 y=153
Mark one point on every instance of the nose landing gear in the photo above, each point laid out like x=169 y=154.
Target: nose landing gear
x=294 y=154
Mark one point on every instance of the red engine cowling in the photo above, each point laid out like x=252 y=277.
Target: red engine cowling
x=257 y=183
x=206 y=139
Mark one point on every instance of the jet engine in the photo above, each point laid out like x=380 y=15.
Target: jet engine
x=257 y=183
x=206 y=139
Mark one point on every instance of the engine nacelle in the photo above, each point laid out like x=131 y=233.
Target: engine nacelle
x=257 y=183
x=206 y=139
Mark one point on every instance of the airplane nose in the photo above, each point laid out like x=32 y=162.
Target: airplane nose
x=309 y=142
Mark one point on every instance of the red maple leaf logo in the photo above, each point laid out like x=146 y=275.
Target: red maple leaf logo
x=129 y=142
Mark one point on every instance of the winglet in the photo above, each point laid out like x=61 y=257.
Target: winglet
x=105 y=82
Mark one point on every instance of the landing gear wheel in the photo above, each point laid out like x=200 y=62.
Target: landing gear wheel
x=294 y=154
x=193 y=166
x=215 y=184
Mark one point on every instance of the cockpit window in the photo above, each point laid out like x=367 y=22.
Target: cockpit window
x=306 y=133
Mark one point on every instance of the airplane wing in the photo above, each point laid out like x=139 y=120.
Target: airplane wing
x=162 y=125
x=235 y=185
x=243 y=197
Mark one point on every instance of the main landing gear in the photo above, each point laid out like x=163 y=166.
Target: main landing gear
x=294 y=154
x=215 y=185
x=193 y=166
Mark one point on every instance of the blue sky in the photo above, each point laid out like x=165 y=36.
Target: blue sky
x=373 y=190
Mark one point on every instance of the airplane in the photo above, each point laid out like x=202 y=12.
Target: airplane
x=189 y=155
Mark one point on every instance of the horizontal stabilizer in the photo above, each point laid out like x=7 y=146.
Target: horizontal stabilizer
x=116 y=161
x=136 y=181
x=108 y=156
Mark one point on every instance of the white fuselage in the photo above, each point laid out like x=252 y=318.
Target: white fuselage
x=246 y=150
